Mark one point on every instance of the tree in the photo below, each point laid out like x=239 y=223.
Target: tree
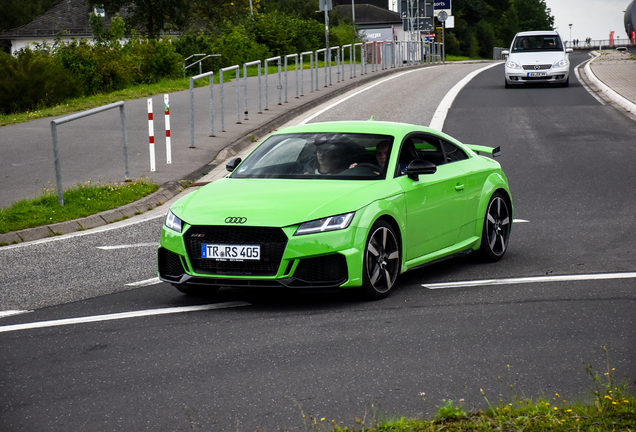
x=152 y=17
x=15 y=13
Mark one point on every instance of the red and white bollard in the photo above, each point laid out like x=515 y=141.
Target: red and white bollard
x=166 y=106
x=151 y=134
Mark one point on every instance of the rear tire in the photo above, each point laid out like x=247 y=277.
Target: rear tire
x=381 y=265
x=496 y=231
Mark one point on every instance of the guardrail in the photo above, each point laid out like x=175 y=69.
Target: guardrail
x=56 y=152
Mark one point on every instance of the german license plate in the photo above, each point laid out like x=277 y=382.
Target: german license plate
x=537 y=74
x=231 y=252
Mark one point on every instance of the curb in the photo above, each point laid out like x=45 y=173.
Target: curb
x=170 y=189
x=611 y=94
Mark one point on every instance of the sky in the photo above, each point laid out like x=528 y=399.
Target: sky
x=589 y=18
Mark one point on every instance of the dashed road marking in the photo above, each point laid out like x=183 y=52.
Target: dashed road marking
x=123 y=315
x=532 y=279
x=12 y=312
x=143 y=283
x=128 y=246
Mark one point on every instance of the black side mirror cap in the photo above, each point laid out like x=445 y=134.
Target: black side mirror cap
x=232 y=164
x=419 y=167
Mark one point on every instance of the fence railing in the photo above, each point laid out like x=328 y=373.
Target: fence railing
x=56 y=152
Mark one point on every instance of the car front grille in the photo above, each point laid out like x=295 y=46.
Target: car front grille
x=271 y=240
x=170 y=266
x=536 y=67
x=324 y=269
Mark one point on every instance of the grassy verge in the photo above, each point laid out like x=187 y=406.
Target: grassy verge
x=610 y=408
x=79 y=201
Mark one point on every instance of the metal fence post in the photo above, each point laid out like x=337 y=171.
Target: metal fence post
x=257 y=62
x=56 y=151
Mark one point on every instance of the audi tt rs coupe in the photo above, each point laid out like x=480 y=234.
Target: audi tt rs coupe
x=537 y=57
x=338 y=205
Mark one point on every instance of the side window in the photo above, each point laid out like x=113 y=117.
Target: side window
x=453 y=153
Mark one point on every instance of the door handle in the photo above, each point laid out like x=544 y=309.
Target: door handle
x=460 y=187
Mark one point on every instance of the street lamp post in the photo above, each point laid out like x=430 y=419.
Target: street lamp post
x=571 y=35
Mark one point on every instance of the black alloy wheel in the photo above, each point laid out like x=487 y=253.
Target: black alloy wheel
x=381 y=261
x=496 y=233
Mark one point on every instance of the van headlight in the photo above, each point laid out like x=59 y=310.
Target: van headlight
x=513 y=65
x=561 y=63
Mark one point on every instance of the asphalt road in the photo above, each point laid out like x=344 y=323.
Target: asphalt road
x=265 y=362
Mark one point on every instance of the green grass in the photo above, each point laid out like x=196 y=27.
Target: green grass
x=610 y=408
x=79 y=201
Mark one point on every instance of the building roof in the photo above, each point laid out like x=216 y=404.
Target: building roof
x=71 y=16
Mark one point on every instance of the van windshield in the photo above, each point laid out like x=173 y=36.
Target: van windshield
x=537 y=43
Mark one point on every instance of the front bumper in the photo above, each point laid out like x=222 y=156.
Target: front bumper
x=322 y=260
x=552 y=76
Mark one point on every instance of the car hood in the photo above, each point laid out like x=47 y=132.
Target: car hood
x=273 y=202
x=529 y=58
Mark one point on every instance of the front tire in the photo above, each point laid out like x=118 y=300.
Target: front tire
x=496 y=231
x=381 y=265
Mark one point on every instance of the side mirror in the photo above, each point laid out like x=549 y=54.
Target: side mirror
x=568 y=50
x=418 y=167
x=232 y=164
x=505 y=52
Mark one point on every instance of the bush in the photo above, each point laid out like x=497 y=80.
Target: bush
x=153 y=59
x=237 y=46
x=34 y=80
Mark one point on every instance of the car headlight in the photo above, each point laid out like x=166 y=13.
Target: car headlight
x=332 y=223
x=561 y=63
x=173 y=222
x=513 y=65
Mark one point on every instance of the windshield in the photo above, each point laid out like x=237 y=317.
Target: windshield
x=319 y=156
x=537 y=43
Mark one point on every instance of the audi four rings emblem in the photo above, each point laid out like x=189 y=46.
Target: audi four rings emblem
x=235 y=220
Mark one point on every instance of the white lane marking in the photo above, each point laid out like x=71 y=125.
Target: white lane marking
x=128 y=246
x=437 y=122
x=327 y=108
x=514 y=221
x=12 y=312
x=143 y=283
x=534 y=279
x=123 y=315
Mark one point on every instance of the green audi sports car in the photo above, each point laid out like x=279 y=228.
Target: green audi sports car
x=338 y=205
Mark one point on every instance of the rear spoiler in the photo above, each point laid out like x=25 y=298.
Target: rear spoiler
x=495 y=152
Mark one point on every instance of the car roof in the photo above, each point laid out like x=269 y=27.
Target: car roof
x=369 y=127
x=537 y=33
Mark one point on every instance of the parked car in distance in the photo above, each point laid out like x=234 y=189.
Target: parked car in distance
x=538 y=57
x=338 y=205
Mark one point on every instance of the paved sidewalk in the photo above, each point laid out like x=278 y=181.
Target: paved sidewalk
x=615 y=73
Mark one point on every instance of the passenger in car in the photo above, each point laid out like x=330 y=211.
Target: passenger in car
x=381 y=154
x=329 y=160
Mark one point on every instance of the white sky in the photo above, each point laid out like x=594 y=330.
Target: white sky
x=589 y=18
